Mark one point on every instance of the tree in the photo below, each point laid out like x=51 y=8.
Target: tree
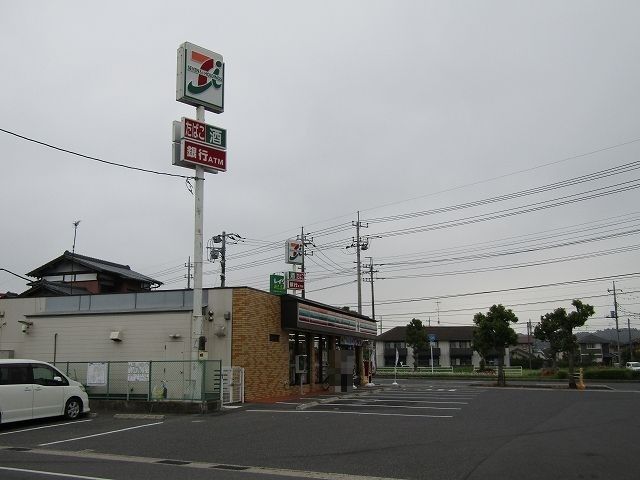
x=494 y=333
x=559 y=329
x=547 y=331
x=416 y=339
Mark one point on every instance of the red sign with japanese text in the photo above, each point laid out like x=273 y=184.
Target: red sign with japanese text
x=204 y=155
x=295 y=285
x=297 y=276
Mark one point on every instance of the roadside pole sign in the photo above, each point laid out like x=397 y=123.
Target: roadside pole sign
x=297 y=276
x=432 y=343
x=199 y=154
x=203 y=133
x=295 y=280
x=276 y=284
x=295 y=285
x=189 y=151
x=294 y=252
x=200 y=78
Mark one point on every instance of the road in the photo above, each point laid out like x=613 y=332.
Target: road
x=422 y=429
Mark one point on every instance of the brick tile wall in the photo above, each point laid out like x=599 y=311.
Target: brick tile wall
x=256 y=315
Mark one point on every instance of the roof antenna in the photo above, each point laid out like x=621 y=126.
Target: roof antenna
x=73 y=250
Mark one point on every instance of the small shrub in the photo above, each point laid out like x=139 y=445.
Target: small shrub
x=486 y=371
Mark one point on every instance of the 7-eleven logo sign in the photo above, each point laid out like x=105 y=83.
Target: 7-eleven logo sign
x=208 y=73
x=200 y=78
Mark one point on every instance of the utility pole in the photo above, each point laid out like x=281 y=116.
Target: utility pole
x=305 y=242
x=630 y=344
x=371 y=271
x=221 y=252
x=223 y=259
x=615 y=313
x=358 y=224
x=529 y=342
x=189 y=276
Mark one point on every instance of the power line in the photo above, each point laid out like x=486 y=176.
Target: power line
x=452 y=189
x=522 y=193
x=569 y=258
x=519 y=210
x=521 y=239
x=93 y=158
x=514 y=289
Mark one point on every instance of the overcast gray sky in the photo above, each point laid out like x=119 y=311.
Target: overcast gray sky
x=387 y=108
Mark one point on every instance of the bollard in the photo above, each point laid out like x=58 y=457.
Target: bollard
x=580 y=384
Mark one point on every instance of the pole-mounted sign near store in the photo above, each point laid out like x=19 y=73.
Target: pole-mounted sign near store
x=198 y=143
x=276 y=284
x=294 y=252
x=202 y=147
x=295 y=280
x=200 y=80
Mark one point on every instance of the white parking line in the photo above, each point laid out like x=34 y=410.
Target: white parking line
x=333 y=412
x=437 y=402
x=387 y=406
x=424 y=398
x=100 y=434
x=53 y=474
x=45 y=426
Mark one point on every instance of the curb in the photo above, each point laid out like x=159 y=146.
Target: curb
x=139 y=416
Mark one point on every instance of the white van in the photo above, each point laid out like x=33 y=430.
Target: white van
x=34 y=389
x=633 y=366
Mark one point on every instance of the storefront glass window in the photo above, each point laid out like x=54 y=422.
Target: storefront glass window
x=297 y=346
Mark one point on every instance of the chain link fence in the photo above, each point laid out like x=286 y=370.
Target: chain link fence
x=175 y=380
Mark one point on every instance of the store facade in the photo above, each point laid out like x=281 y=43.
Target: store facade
x=285 y=344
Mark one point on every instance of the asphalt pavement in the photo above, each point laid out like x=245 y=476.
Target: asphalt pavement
x=419 y=429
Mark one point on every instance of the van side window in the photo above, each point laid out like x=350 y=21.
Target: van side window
x=14 y=375
x=43 y=375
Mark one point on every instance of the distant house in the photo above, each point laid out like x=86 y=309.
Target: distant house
x=452 y=346
x=75 y=274
x=594 y=349
x=526 y=348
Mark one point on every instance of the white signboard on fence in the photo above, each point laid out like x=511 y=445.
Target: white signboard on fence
x=138 y=372
x=96 y=374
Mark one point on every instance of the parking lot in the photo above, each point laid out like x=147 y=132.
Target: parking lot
x=419 y=429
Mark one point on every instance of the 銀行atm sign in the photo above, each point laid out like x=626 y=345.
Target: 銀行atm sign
x=197 y=153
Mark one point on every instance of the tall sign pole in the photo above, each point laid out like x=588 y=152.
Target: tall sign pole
x=358 y=265
x=198 y=249
x=201 y=147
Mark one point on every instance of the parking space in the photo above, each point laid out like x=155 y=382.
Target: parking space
x=58 y=431
x=467 y=431
x=429 y=401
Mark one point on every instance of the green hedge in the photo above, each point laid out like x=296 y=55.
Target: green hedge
x=611 y=374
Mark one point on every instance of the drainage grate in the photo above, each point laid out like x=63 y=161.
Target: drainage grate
x=18 y=449
x=230 y=467
x=173 y=462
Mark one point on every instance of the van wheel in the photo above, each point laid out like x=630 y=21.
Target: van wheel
x=73 y=408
